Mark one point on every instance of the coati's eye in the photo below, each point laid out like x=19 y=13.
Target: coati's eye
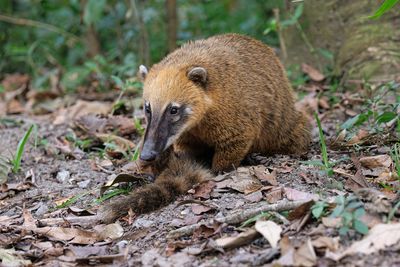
x=147 y=108
x=173 y=111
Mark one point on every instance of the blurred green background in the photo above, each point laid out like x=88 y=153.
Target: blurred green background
x=84 y=40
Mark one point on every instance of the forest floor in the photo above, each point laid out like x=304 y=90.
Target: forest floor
x=343 y=212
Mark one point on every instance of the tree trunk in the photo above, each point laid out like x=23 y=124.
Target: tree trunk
x=172 y=23
x=363 y=48
x=144 y=49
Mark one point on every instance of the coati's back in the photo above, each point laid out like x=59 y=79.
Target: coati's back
x=248 y=90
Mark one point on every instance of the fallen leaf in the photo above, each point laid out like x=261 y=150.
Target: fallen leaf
x=111 y=231
x=270 y=230
x=305 y=255
x=205 y=231
x=262 y=173
x=359 y=137
x=356 y=181
x=376 y=161
x=239 y=240
x=243 y=182
x=313 y=73
x=300 y=211
x=274 y=195
x=379 y=237
x=326 y=242
x=294 y=194
x=10 y=257
x=204 y=190
x=254 y=197
x=81 y=108
x=331 y=222
x=200 y=209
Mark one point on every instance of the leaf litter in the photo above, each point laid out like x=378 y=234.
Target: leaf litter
x=68 y=235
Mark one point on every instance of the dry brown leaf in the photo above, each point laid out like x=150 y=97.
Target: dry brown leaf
x=111 y=231
x=356 y=181
x=275 y=195
x=244 y=182
x=300 y=211
x=254 y=197
x=204 y=190
x=237 y=241
x=305 y=255
x=270 y=230
x=359 y=137
x=331 y=222
x=200 y=209
x=326 y=242
x=313 y=73
x=376 y=161
x=379 y=237
x=81 y=108
x=262 y=173
x=294 y=194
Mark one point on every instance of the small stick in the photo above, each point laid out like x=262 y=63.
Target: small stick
x=82 y=220
x=240 y=216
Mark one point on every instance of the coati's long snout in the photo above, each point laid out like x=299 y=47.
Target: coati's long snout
x=163 y=128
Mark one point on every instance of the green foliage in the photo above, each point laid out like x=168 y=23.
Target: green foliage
x=377 y=110
x=350 y=210
x=395 y=153
x=58 y=41
x=262 y=215
x=82 y=144
x=112 y=193
x=386 y=6
x=319 y=209
x=325 y=164
x=16 y=161
x=70 y=201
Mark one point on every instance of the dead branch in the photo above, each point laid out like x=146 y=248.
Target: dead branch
x=82 y=220
x=240 y=216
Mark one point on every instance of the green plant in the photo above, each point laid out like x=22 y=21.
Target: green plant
x=16 y=161
x=325 y=164
x=386 y=6
x=82 y=144
x=112 y=193
x=377 y=111
x=395 y=153
x=262 y=215
x=70 y=201
x=319 y=209
x=350 y=210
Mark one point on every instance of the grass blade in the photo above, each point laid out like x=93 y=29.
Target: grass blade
x=20 y=150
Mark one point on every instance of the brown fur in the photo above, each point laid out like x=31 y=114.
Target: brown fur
x=247 y=104
x=175 y=176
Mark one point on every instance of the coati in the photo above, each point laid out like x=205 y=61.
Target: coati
x=218 y=98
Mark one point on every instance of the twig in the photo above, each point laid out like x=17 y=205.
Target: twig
x=280 y=35
x=38 y=24
x=82 y=220
x=240 y=216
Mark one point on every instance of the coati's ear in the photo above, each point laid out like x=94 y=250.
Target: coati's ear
x=142 y=72
x=198 y=75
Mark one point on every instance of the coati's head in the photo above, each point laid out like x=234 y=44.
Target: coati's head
x=175 y=100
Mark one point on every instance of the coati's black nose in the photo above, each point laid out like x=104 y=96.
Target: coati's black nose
x=148 y=155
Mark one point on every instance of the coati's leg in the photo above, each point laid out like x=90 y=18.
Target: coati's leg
x=189 y=145
x=299 y=136
x=228 y=156
x=180 y=175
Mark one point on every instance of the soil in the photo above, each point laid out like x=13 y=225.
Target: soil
x=54 y=176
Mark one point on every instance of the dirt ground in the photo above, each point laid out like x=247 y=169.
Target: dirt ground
x=59 y=180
